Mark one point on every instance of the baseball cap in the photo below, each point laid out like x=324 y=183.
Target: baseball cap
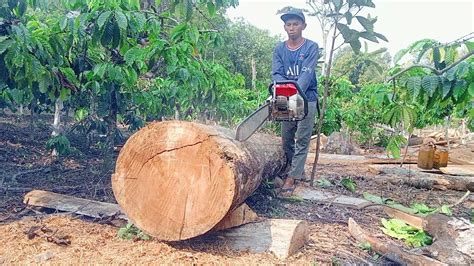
x=292 y=13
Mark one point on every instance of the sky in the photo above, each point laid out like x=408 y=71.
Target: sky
x=401 y=21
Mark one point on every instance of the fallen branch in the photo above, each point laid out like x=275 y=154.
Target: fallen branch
x=394 y=252
x=418 y=179
x=453 y=237
x=461 y=199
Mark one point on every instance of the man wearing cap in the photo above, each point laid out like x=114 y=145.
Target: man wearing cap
x=295 y=59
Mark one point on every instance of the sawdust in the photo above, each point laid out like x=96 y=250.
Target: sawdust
x=98 y=244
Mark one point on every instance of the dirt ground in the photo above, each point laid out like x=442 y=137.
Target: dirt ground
x=26 y=165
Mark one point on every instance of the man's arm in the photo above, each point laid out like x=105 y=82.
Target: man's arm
x=308 y=68
x=278 y=71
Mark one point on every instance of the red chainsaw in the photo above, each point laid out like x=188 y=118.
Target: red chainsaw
x=286 y=103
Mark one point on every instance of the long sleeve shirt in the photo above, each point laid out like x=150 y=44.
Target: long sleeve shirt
x=297 y=64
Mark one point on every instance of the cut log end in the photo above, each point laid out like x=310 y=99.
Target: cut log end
x=172 y=180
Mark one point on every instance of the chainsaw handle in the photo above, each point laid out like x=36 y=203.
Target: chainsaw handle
x=303 y=95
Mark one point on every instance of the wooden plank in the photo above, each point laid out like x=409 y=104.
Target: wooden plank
x=462 y=156
x=325 y=158
x=72 y=204
x=458 y=170
x=282 y=237
x=242 y=215
x=308 y=193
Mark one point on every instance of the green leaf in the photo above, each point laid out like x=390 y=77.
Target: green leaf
x=337 y=4
x=348 y=34
x=399 y=229
x=422 y=208
x=430 y=83
x=183 y=74
x=324 y=183
x=99 y=70
x=121 y=20
x=450 y=55
x=4 y=45
x=459 y=89
x=348 y=16
x=414 y=85
x=44 y=81
x=116 y=38
x=64 y=94
x=81 y=114
x=133 y=55
x=471 y=89
x=445 y=209
x=356 y=45
x=436 y=57
x=349 y=184
x=368 y=36
x=63 y=23
x=373 y=198
x=463 y=69
x=103 y=18
x=451 y=73
x=178 y=30
x=469 y=45
x=366 y=23
x=365 y=246
x=446 y=88
x=70 y=75
x=381 y=36
x=211 y=8
x=189 y=9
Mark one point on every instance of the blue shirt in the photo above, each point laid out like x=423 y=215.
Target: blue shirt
x=297 y=64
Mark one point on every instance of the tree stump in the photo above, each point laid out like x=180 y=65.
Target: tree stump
x=176 y=180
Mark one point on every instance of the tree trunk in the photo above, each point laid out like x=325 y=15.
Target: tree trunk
x=176 y=180
x=415 y=178
x=447 y=126
x=111 y=121
x=58 y=106
x=254 y=73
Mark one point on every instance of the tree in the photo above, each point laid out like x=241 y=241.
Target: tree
x=342 y=14
x=362 y=68
x=110 y=61
x=439 y=87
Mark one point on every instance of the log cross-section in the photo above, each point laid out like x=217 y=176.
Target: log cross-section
x=176 y=180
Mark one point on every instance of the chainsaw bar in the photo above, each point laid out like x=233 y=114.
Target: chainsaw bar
x=252 y=123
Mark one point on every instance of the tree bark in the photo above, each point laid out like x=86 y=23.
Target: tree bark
x=254 y=73
x=58 y=106
x=176 y=180
x=397 y=175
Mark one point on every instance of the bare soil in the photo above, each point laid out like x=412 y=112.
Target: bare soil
x=25 y=165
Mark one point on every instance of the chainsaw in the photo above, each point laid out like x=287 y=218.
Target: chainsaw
x=286 y=103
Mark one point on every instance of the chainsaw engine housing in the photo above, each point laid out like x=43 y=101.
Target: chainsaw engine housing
x=287 y=102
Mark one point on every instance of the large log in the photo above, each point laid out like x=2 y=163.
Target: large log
x=416 y=178
x=176 y=180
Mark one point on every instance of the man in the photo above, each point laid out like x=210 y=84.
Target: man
x=295 y=59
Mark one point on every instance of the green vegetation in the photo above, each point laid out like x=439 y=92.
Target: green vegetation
x=130 y=231
x=349 y=184
x=400 y=230
x=129 y=62
x=419 y=209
